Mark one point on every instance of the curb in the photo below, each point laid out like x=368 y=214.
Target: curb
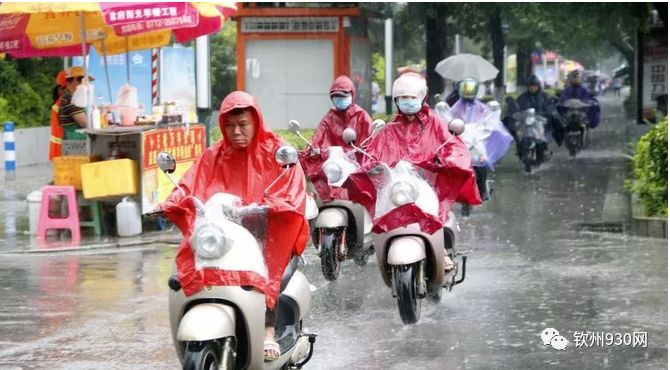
x=60 y=247
x=650 y=227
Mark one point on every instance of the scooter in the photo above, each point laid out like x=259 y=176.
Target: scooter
x=575 y=127
x=222 y=327
x=411 y=261
x=530 y=131
x=343 y=228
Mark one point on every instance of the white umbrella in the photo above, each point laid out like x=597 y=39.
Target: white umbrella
x=460 y=66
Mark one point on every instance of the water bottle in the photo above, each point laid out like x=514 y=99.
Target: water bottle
x=128 y=218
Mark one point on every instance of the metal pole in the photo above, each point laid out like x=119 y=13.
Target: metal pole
x=82 y=25
x=545 y=76
x=127 y=62
x=388 y=63
x=10 y=150
x=109 y=83
x=202 y=85
x=457 y=44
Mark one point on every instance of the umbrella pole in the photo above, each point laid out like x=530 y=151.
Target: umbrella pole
x=82 y=26
x=109 y=84
x=127 y=62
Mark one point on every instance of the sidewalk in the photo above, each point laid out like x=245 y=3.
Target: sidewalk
x=14 y=225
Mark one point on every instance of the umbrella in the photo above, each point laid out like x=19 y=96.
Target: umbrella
x=460 y=66
x=49 y=29
x=570 y=65
x=39 y=29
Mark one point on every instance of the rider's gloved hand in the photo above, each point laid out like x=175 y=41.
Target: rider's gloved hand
x=314 y=151
x=376 y=170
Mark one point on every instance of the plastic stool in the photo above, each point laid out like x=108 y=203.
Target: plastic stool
x=96 y=214
x=71 y=222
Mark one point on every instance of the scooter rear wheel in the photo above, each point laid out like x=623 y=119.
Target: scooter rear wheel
x=201 y=356
x=409 y=304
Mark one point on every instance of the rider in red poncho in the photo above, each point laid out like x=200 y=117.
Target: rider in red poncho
x=243 y=164
x=344 y=114
x=414 y=136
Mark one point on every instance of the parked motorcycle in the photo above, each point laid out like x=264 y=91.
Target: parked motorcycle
x=222 y=327
x=411 y=261
x=576 y=129
x=343 y=228
x=530 y=133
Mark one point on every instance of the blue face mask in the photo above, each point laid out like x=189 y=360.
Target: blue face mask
x=341 y=103
x=409 y=106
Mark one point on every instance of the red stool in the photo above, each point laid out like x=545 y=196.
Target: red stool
x=71 y=222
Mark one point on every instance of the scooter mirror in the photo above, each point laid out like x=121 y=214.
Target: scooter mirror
x=349 y=135
x=377 y=125
x=494 y=105
x=456 y=126
x=286 y=155
x=441 y=106
x=294 y=126
x=166 y=162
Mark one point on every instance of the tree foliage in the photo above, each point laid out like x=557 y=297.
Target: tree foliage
x=650 y=171
x=223 y=57
x=25 y=97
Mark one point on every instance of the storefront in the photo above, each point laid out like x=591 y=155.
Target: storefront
x=289 y=56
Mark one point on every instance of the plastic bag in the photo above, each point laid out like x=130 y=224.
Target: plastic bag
x=80 y=96
x=127 y=96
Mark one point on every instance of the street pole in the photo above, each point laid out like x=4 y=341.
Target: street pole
x=388 y=62
x=203 y=88
x=457 y=44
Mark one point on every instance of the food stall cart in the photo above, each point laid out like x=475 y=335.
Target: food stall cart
x=128 y=160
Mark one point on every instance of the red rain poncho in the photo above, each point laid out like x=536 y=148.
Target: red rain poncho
x=245 y=173
x=416 y=143
x=329 y=133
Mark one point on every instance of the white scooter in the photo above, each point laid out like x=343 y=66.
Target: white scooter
x=411 y=261
x=223 y=327
x=343 y=228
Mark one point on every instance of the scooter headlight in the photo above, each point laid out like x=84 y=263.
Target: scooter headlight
x=209 y=241
x=403 y=192
x=529 y=121
x=333 y=171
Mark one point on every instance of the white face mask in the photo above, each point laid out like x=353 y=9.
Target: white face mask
x=409 y=106
x=342 y=102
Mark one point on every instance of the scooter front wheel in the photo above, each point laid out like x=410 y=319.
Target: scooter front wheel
x=202 y=356
x=407 y=295
x=329 y=243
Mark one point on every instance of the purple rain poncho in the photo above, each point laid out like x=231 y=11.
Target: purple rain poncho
x=485 y=134
x=581 y=93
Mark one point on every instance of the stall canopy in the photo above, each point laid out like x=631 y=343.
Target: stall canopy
x=56 y=29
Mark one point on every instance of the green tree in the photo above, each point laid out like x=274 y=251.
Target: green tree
x=223 y=57
x=27 y=85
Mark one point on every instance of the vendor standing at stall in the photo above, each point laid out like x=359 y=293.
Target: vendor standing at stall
x=72 y=117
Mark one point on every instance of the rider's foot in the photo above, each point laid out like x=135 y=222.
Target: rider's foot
x=448 y=264
x=270 y=346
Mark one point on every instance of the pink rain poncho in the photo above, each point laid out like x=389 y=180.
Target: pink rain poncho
x=416 y=142
x=329 y=133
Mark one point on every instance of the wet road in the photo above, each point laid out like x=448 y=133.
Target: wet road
x=530 y=267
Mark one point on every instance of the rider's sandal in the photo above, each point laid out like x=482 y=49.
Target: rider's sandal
x=271 y=350
x=448 y=264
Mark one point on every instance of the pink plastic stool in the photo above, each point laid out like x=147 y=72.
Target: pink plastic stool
x=71 y=222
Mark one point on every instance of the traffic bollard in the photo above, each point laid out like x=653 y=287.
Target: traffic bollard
x=10 y=153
